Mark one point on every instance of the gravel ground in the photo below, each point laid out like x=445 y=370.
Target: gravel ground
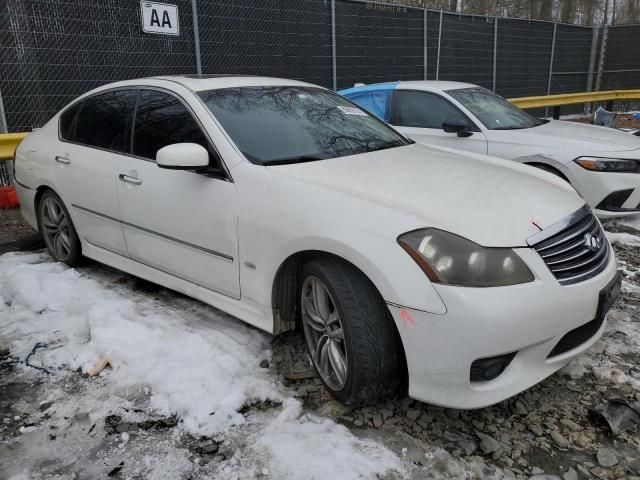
x=12 y=225
x=581 y=422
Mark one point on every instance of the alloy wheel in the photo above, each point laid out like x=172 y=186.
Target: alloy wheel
x=55 y=228
x=324 y=333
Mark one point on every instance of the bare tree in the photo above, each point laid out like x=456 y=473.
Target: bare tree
x=545 y=11
x=568 y=11
x=584 y=12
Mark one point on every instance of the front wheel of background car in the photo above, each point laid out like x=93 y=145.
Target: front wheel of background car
x=57 y=230
x=547 y=168
x=352 y=339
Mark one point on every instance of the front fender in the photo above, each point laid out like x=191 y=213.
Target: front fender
x=396 y=276
x=546 y=160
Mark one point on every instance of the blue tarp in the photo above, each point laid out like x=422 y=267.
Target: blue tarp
x=375 y=98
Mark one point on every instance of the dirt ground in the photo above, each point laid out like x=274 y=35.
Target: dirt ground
x=580 y=423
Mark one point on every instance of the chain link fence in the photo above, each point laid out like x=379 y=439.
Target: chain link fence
x=621 y=67
x=51 y=51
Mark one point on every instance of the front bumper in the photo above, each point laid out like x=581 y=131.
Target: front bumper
x=528 y=319
x=596 y=188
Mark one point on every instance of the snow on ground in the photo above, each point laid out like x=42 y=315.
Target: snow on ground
x=202 y=375
x=296 y=445
x=630 y=221
x=194 y=363
x=623 y=238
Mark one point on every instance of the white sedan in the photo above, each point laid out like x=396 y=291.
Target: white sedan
x=602 y=164
x=284 y=204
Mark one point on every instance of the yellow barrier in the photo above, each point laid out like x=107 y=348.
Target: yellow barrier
x=8 y=143
x=574 y=98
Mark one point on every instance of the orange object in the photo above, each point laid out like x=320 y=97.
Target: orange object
x=9 y=197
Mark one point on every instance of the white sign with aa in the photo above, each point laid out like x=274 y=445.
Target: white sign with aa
x=159 y=18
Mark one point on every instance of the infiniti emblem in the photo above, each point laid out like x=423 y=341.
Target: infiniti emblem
x=592 y=242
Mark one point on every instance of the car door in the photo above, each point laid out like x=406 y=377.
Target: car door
x=93 y=137
x=180 y=222
x=420 y=115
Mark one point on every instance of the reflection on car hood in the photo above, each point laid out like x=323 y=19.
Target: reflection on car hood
x=582 y=138
x=490 y=201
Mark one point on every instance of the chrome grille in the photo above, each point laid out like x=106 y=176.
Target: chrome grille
x=575 y=249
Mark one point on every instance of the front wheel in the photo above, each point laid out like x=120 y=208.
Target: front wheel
x=57 y=230
x=352 y=339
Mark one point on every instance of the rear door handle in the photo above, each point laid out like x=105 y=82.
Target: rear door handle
x=64 y=160
x=130 y=179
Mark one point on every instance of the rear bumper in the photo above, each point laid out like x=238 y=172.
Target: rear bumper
x=27 y=198
x=529 y=319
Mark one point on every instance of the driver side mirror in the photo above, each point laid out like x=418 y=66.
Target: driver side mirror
x=183 y=156
x=457 y=126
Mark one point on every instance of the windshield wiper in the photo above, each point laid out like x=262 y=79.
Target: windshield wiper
x=538 y=122
x=384 y=146
x=296 y=159
x=509 y=128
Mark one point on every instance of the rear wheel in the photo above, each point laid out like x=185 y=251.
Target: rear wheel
x=352 y=340
x=57 y=229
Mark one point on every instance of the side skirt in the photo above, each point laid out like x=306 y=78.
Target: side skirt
x=246 y=310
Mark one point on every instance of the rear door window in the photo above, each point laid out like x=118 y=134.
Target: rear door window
x=104 y=120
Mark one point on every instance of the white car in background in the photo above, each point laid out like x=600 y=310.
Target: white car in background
x=284 y=204
x=602 y=164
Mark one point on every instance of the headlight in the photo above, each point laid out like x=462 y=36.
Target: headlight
x=597 y=164
x=452 y=260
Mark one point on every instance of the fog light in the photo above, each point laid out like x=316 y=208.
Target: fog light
x=485 y=369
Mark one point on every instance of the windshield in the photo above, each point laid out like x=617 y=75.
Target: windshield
x=291 y=124
x=493 y=111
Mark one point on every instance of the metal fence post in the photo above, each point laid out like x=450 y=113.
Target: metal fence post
x=592 y=58
x=592 y=65
x=553 y=51
x=333 y=45
x=424 y=34
x=439 y=43
x=3 y=118
x=196 y=35
x=495 y=51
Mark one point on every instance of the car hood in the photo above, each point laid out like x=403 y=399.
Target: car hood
x=487 y=200
x=583 y=139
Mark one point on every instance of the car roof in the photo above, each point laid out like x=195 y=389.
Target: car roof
x=427 y=85
x=202 y=82
x=214 y=81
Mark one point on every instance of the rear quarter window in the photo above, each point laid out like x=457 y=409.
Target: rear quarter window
x=68 y=122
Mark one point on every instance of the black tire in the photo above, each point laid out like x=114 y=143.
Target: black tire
x=72 y=254
x=376 y=365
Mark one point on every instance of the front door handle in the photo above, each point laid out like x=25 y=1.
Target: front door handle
x=64 y=160
x=130 y=179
